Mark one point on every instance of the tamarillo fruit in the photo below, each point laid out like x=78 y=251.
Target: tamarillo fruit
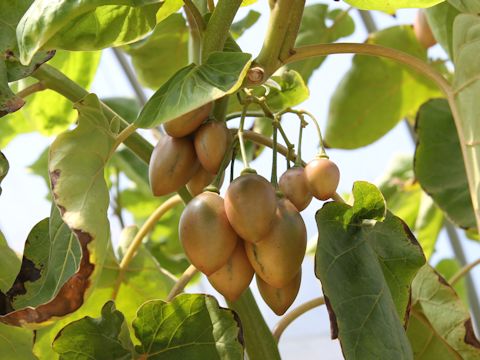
x=189 y=122
x=422 y=30
x=235 y=276
x=250 y=204
x=172 y=164
x=279 y=254
x=279 y=300
x=199 y=181
x=205 y=233
x=211 y=143
x=293 y=184
x=323 y=177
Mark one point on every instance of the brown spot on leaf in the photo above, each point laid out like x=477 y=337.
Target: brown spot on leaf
x=470 y=337
x=54 y=176
x=408 y=309
x=9 y=54
x=333 y=318
x=69 y=298
x=28 y=273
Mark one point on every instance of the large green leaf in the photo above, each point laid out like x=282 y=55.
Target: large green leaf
x=48 y=112
x=10 y=265
x=101 y=338
x=366 y=260
x=376 y=93
x=440 y=18
x=189 y=327
x=438 y=162
x=466 y=83
x=16 y=343
x=391 y=5
x=440 y=327
x=51 y=256
x=4 y=167
x=85 y=25
x=163 y=53
x=194 y=86
x=466 y=6
x=10 y=68
x=320 y=25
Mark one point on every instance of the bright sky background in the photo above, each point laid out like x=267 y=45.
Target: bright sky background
x=23 y=203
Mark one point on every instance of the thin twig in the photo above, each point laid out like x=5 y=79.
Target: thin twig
x=29 y=90
x=463 y=271
x=295 y=313
x=182 y=282
x=131 y=77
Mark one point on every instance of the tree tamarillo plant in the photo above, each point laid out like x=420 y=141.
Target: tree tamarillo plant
x=75 y=295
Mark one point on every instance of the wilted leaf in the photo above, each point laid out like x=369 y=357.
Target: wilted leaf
x=16 y=343
x=439 y=164
x=186 y=327
x=314 y=30
x=170 y=40
x=101 y=338
x=391 y=5
x=366 y=262
x=376 y=93
x=440 y=326
x=194 y=86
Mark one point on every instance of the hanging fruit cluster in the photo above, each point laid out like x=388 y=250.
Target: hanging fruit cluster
x=257 y=228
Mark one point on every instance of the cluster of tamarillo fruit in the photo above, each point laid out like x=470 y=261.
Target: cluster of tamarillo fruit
x=256 y=229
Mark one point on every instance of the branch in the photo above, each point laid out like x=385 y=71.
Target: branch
x=137 y=241
x=182 y=282
x=463 y=271
x=29 y=90
x=295 y=313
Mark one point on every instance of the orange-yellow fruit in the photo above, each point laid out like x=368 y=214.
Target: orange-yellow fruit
x=235 y=276
x=189 y=122
x=422 y=30
x=172 y=164
x=250 y=204
x=199 y=181
x=323 y=177
x=293 y=184
x=211 y=143
x=205 y=233
x=279 y=300
x=279 y=254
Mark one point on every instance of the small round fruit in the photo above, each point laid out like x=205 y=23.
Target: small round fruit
x=235 y=276
x=279 y=254
x=205 y=233
x=323 y=177
x=211 y=143
x=279 y=300
x=293 y=184
x=199 y=181
x=189 y=122
x=422 y=30
x=250 y=204
x=172 y=164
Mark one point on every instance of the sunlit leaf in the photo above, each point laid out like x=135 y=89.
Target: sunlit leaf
x=16 y=343
x=466 y=6
x=391 y=5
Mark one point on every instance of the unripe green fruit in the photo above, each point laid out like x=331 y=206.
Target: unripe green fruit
x=279 y=300
x=211 y=143
x=187 y=123
x=235 y=276
x=172 y=164
x=279 y=254
x=250 y=204
x=323 y=177
x=293 y=184
x=205 y=233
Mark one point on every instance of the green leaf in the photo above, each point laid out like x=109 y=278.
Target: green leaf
x=376 y=93
x=169 y=38
x=85 y=25
x=438 y=162
x=448 y=268
x=238 y=28
x=440 y=18
x=466 y=84
x=106 y=337
x=188 y=326
x=10 y=264
x=440 y=326
x=48 y=112
x=466 y=6
x=366 y=267
x=194 y=86
x=4 y=167
x=16 y=343
x=127 y=108
x=51 y=256
x=314 y=30
x=391 y=5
